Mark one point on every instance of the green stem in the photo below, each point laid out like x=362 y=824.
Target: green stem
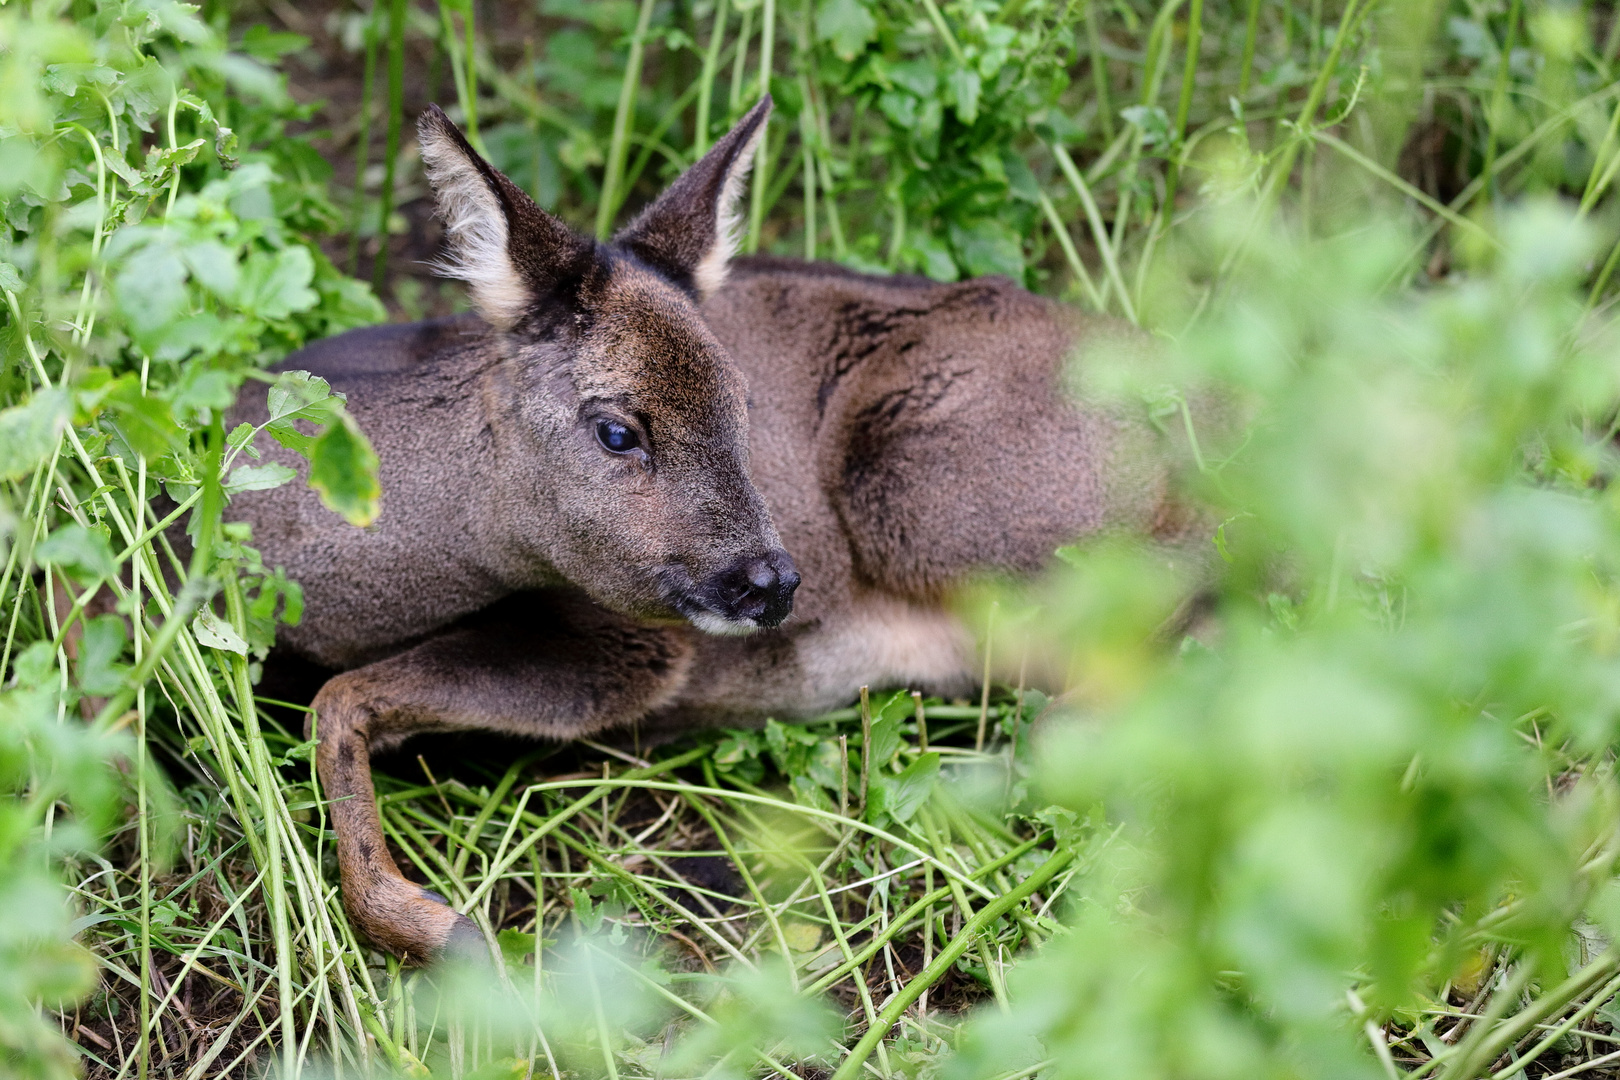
x=807 y=140
x=619 y=148
x=1061 y=231
x=1099 y=72
x=711 y=62
x=396 y=118
x=739 y=62
x=1313 y=101
x=947 y=957
x=1603 y=166
x=1483 y=1045
x=935 y=17
x=762 y=161
x=1499 y=91
x=1189 y=79
x=1251 y=33
x=1099 y=232
x=469 y=104
x=362 y=152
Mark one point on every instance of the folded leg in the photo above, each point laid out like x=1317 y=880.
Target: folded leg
x=545 y=665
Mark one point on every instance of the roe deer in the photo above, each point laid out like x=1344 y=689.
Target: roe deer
x=580 y=485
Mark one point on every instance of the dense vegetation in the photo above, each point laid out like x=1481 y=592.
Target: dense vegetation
x=1363 y=822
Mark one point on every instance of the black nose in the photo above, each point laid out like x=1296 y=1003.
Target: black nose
x=756 y=588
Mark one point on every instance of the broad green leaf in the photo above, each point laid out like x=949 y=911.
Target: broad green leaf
x=516 y=946
x=293 y=391
x=216 y=633
x=343 y=469
x=847 y=24
x=100 y=649
x=143 y=420
x=214 y=266
x=908 y=790
x=298 y=395
x=151 y=288
x=989 y=246
x=258 y=477
x=29 y=432
x=74 y=547
x=825 y=764
x=965 y=87
x=274 y=287
x=203 y=388
x=885 y=740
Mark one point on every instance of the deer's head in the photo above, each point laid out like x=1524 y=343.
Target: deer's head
x=630 y=417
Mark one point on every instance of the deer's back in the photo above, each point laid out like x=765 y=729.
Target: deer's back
x=908 y=433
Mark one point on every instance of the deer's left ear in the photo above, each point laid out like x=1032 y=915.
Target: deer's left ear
x=689 y=232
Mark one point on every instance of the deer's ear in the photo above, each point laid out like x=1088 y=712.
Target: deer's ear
x=513 y=255
x=689 y=232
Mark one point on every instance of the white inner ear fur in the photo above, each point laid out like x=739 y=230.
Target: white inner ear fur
x=477 y=230
x=710 y=272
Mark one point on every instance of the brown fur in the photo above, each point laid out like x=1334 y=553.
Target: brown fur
x=903 y=434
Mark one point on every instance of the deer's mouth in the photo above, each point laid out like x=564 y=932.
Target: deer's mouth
x=753 y=592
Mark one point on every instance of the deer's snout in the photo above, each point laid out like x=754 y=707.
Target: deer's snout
x=756 y=588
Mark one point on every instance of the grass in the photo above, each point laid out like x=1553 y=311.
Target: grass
x=220 y=944
x=682 y=861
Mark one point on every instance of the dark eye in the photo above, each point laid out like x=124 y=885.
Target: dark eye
x=616 y=437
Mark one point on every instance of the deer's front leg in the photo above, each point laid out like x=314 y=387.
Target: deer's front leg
x=538 y=665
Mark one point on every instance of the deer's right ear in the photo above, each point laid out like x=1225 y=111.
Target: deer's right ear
x=512 y=254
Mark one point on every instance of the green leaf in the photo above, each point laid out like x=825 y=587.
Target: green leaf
x=100 y=649
x=214 y=266
x=275 y=287
x=203 y=389
x=965 y=85
x=143 y=420
x=516 y=946
x=343 y=469
x=989 y=246
x=30 y=431
x=76 y=547
x=847 y=24
x=885 y=740
x=215 y=632
x=907 y=791
x=294 y=391
x=151 y=288
x=298 y=395
x=258 y=477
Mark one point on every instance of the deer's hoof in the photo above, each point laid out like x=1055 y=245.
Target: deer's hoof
x=416 y=923
x=465 y=942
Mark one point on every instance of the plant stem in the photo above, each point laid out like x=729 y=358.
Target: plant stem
x=762 y=161
x=362 y=152
x=1251 y=33
x=1499 y=91
x=739 y=62
x=711 y=61
x=396 y=118
x=948 y=956
x=1189 y=80
x=469 y=104
x=1099 y=72
x=623 y=116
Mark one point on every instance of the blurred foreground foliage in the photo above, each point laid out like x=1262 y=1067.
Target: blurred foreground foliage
x=1384 y=765
x=1360 y=820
